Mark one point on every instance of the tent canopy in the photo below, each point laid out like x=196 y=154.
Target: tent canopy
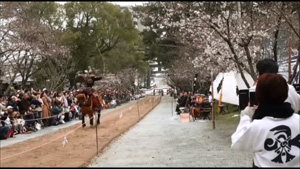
x=232 y=82
x=283 y=67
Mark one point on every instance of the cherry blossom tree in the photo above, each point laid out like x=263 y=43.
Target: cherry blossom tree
x=31 y=39
x=289 y=14
x=227 y=32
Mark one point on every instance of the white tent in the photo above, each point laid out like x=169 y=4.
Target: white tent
x=231 y=81
x=283 y=67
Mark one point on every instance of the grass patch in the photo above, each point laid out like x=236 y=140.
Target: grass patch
x=226 y=123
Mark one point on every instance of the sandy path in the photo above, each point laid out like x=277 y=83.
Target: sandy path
x=81 y=146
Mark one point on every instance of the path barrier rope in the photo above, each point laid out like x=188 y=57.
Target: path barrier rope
x=64 y=136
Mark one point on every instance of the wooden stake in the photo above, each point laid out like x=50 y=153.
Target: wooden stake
x=97 y=137
x=172 y=108
x=289 y=61
x=212 y=100
x=137 y=104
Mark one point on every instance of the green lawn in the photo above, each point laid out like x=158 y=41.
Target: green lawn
x=226 y=124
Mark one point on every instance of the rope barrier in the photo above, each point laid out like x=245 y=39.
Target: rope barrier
x=36 y=119
x=64 y=136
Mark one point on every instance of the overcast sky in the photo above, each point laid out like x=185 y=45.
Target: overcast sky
x=128 y=3
x=121 y=3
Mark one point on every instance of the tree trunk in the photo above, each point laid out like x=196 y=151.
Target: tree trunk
x=24 y=81
x=238 y=64
x=298 y=59
x=275 y=45
x=6 y=92
x=249 y=59
x=276 y=35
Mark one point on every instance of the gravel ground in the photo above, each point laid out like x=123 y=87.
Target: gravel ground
x=160 y=140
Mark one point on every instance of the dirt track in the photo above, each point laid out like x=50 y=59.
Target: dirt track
x=81 y=146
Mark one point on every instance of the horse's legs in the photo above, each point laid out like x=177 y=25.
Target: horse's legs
x=83 y=123
x=99 y=114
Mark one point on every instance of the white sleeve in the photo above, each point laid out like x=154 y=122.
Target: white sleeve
x=293 y=98
x=1 y=106
x=244 y=136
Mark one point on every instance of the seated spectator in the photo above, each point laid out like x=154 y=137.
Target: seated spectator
x=6 y=130
x=26 y=113
x=18 y=123
x=14 y=103
x=57 y=111
x=74 y=110
x=2 y=105
x=36 y=106
x=181 y=102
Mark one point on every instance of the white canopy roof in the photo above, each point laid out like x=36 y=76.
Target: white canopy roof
x=232 y=81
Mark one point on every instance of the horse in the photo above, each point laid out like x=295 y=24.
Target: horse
x=86 y=107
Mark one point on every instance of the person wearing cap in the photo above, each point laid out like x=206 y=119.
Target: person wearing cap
x=272 y=130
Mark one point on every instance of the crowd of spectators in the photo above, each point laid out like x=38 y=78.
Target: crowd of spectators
x=27 y=111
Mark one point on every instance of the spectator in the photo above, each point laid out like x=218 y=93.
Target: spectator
x=271 y=132
x=113 y=103
x=45 y=108
x=18 y=123
x=2 y=105
x=6 y=130
x=66 y=107
x=209 y=97
x=14 y=103
x=57 y=111
x=270 y=66
x=36 y=106
x=181 y=102
x=26 y=113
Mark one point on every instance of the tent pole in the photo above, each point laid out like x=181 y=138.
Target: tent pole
x=289 y=60
x=212 y=100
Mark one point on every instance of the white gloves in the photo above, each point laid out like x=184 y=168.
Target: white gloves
x=249 y=111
